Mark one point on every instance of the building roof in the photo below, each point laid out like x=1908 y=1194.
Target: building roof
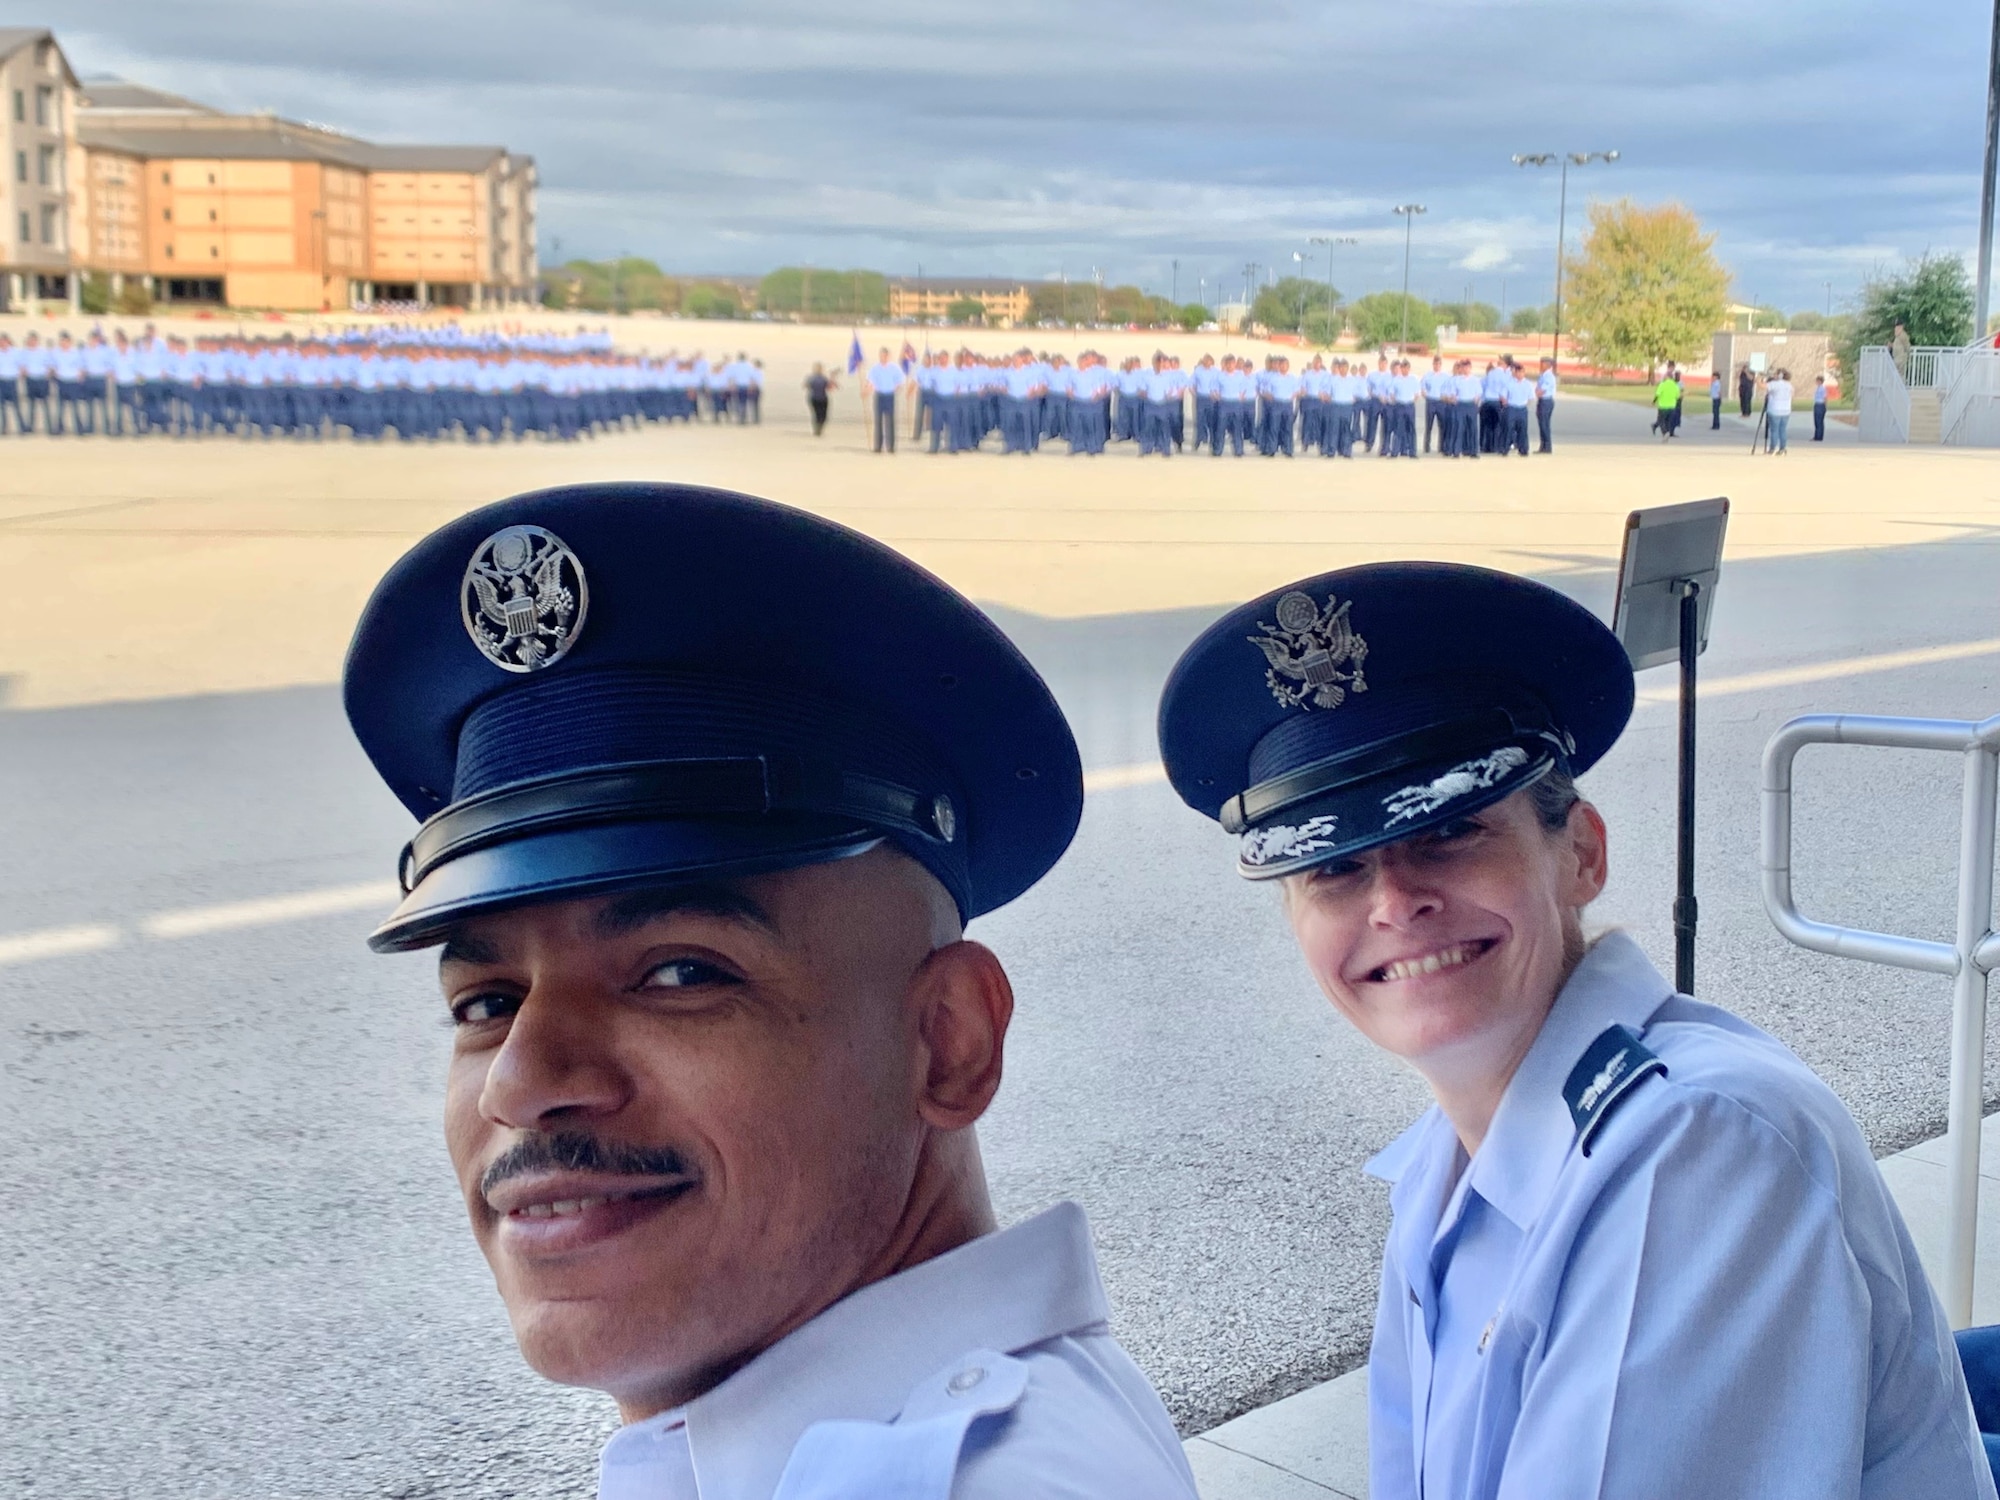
x=432 y=158
x=14 y=38
x=220 y=144
x=135 y=98
x=962 y=283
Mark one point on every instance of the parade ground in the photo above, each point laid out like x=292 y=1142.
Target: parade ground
x=238 y=1256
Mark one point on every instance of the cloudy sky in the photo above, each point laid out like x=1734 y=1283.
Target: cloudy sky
x=1819 y=140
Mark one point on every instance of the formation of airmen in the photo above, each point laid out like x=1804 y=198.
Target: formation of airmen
x=1335 y=406
x=434 y=383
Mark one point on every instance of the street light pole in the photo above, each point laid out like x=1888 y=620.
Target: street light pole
x=1986 y=182
x=1409 y=211
x=1330 y=240
x=1565 y=160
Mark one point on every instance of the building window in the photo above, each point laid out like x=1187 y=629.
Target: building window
x=49 y=223
x=211 y=216
x=215 y=252
x=45 y=166
x=166 y=178
x=170 y=252
x=167 y=214
x=26 y=236
x=20 y=166
x=44 y=100
x=20 y=105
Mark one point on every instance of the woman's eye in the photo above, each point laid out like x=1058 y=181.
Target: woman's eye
x=680 y=973
x=481 y=1008
x=1457 y=828
x=1337 y=869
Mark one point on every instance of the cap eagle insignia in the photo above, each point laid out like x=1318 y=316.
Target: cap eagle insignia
x=1315 y=655
x=524 y=598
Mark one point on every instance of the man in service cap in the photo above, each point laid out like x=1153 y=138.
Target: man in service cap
x=708 y=790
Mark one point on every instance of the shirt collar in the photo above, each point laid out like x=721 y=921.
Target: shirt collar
x=862 y=1357
x=1516 y=1167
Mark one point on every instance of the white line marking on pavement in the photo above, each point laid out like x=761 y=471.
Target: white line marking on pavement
x=1827 y=671
x=57 y=942
x=194 y=920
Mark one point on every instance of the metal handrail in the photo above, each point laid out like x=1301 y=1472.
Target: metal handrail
x=1966 y=960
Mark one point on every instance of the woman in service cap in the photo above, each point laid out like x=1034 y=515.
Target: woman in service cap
x=1638 y=1248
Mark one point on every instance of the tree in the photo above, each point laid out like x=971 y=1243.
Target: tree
x=1470 y=317
x=824 y=294
x=1284 y=306
x=1532 y=319
x=966 y=310
x=1324 y=325
x=1378 y=319
x=1191 y=316
x=95 y=294
x=1127 y=304
x=1932 y=299
x=1646 y=287
x=711 y=300
x=134 y=301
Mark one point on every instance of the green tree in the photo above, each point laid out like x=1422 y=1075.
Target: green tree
x=710 y=299
x=1191 y=316
x=1931 y=297
x=95 y=294
x=822 y=293
x=1532 y=319
x=966 y=310
x=1284 y=306
x=1646 y=286
x=1378 y=319
x=1127 y=304
x=1324 y=326
x=134 y=301
x=1062 y=302
x=1468 y=317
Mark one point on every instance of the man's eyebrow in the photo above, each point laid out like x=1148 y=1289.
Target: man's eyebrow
x=629 y=912
x=460 y=947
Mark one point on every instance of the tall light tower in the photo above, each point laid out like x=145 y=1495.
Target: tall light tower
x=1409 y=211
x=1985 y=278
x=1565 y=160
x=1330 y=240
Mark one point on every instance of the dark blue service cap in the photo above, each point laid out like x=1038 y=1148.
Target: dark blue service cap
x=1363 y=706
x=609 y=686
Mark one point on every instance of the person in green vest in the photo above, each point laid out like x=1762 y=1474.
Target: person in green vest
x=1667 y=402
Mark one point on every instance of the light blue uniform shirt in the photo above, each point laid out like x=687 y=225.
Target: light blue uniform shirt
x=1720 y=1300
x=1545 y=385
x=886 y=380
x=985 y=1374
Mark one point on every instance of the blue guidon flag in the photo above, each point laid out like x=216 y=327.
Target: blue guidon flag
x=855 y=358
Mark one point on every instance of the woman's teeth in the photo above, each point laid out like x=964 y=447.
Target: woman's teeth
x=1431 y=963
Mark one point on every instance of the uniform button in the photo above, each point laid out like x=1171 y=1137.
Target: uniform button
x=965 y=1380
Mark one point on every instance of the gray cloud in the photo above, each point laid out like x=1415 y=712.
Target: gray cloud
x=1817 y=139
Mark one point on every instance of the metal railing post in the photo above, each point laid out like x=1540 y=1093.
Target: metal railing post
x=1968 y=1029
x=1974 y=951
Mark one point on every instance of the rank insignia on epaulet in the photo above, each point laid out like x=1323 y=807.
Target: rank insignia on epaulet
x=1613 y=1065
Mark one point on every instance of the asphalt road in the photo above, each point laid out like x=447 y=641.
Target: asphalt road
x=235 y=1264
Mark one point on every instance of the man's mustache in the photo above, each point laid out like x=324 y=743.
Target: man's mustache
x=573 y=1151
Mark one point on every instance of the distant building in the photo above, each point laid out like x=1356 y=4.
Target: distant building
x=1006 y=299
x=253 y=211
x=38 y=97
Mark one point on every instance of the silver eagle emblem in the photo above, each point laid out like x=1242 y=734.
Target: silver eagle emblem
x=523 y=598
x=1315 y=655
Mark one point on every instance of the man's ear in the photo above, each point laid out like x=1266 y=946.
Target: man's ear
x=963 y=1004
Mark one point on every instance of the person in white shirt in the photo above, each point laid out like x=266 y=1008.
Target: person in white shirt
x=720 y=1045
x=1777 y=411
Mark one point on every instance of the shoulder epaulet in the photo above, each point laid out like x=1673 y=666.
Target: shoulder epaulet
x=1610 y=1068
